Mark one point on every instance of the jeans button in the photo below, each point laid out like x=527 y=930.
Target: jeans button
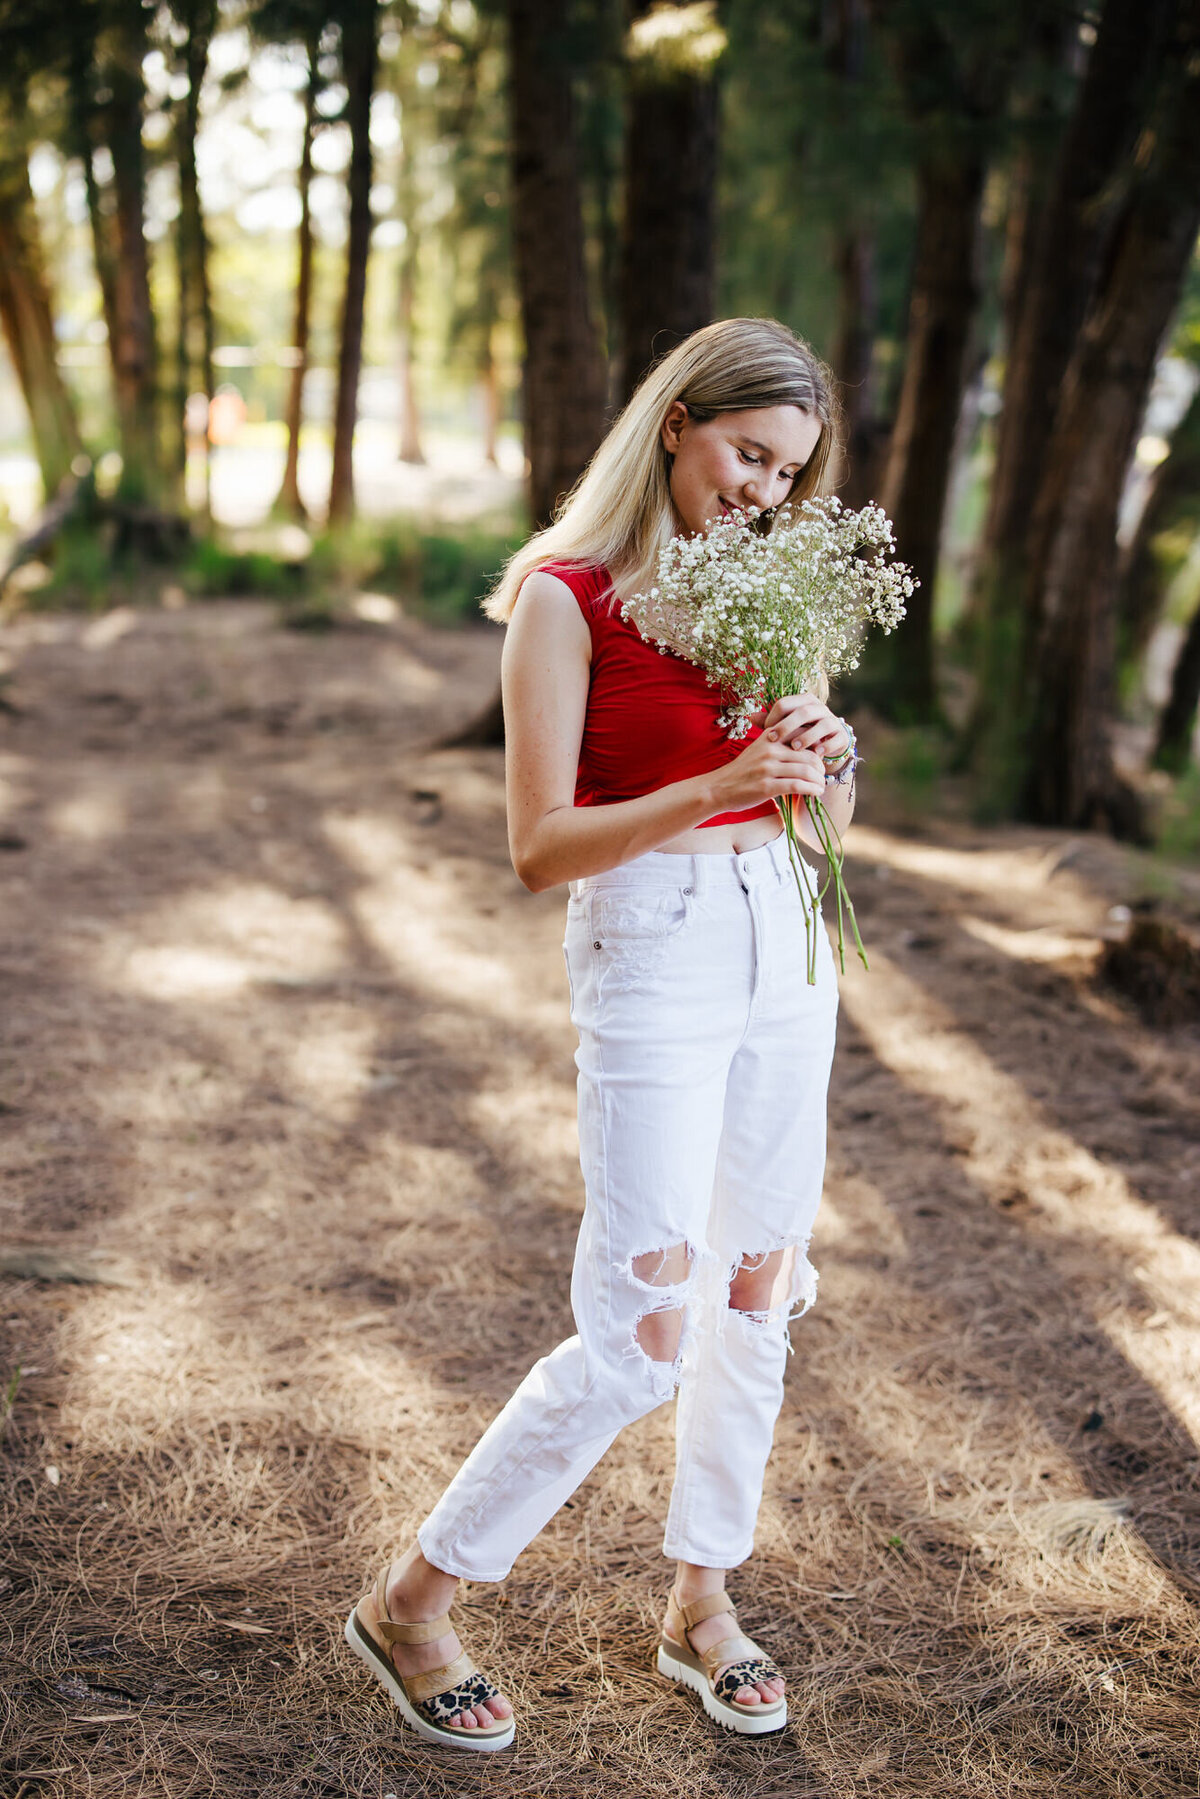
x=687 y=890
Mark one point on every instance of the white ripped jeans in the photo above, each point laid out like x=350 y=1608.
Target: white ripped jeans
x=703 y=1063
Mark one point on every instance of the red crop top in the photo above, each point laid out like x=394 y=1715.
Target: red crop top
x=651 y=716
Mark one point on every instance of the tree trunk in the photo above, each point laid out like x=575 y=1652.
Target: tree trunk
x=955 y=79
x=27 y=320
x=1175 y=491
x=490 y=386
x=1050 y=294
x=668 y=266
x=854 y=267
x=409 y=449
x=564 y=374
x=132 y=347
x=289 y=500
x=944 y=296
x=359 y=54
x=82 y=121
x=195 y=345
x=1070 y=588
x=1177 y=726
x=845 y=33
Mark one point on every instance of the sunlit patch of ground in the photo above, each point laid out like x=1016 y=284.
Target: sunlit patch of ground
x=281 y=1033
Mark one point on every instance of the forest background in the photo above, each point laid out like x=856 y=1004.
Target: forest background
x=311 y=260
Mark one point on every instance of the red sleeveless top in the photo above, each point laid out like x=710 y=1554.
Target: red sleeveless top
x=651 y=715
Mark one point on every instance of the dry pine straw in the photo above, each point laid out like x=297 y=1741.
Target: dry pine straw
x=287 y=1044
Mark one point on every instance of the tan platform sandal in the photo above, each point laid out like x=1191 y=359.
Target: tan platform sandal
x=426 y=1701
x=718 y=1673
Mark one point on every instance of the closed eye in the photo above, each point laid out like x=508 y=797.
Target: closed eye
x=788 y=475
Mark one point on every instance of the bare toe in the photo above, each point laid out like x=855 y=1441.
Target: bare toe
x=748 y=1696
x=468 y=1721
x=499 y=1708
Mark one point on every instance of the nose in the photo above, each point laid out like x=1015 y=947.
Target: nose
x=754 y=490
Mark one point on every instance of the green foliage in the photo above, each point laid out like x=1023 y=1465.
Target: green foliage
x=81 y=571
x=440 y=575
x=1177 y=824
x=810 y=152
x=213 y=570
x=905 y=767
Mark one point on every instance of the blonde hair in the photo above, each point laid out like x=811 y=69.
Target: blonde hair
x=619 y=513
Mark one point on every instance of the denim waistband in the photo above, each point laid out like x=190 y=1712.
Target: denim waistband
x=764 y=866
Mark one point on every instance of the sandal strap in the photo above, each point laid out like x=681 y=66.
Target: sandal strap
x=462 y=1698
x=743 y=1674
x=391 y=1632
x=438 y=1680
x=728 y=1651
x=699 y=1609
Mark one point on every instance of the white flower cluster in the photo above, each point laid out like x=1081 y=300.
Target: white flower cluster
x=764 y=615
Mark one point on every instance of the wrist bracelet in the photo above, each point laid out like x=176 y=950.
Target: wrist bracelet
x=846 y=763
x=840 y=756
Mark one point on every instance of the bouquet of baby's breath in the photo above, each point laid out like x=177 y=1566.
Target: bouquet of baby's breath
x=768 y=614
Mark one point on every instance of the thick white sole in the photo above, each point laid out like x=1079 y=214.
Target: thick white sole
x=748 y=1723
x=453 y=1739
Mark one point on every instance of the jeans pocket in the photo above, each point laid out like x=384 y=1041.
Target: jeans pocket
x=632 y=930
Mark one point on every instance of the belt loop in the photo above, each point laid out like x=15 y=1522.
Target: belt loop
x=575 y=889
x=699 y=873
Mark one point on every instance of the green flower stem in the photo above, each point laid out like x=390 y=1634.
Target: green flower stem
x=830 y=841
x=810 y=900
x=831 y=845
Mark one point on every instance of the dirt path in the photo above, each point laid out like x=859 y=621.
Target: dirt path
x=282 y=1038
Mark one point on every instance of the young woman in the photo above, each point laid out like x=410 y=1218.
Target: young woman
x=704 y=1052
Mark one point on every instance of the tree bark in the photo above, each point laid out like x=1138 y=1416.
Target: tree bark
x=82 y=122
x=360 y=20
x=409 y=449
x=1175 y=491
x=564 y=377
x=945 y=292
x=668 y=261
x=1070 y=589
x=27 y=319
x=289 y=500
x=854 y=271
x=1050 y=293
x=132 y=347
x=955 y=82
x=854 y=268
x=194 y=350
x=1177 y=726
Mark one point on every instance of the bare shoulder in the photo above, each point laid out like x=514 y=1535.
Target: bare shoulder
x=542 y=591
x=547 y=611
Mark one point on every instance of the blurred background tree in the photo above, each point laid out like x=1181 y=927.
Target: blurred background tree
x=320 y=261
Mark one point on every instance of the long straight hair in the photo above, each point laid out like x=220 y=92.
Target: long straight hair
x=619 y=513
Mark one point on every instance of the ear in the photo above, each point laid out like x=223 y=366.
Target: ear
x=673 y=426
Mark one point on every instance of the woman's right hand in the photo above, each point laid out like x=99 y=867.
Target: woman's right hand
x=769 y=769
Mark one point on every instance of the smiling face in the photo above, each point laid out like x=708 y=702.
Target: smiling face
x=738 y=459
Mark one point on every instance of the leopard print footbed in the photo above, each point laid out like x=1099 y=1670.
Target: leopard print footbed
x=444 y=1706
x=743 y=1674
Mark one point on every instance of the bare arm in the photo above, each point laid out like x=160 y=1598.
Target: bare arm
x=545 y=673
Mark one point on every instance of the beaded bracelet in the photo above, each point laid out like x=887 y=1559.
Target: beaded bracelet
x=847 y=762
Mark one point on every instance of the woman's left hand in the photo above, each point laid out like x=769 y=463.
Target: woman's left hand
x=806 y=724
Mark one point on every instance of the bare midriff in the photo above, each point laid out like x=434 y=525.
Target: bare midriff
x=723 y=840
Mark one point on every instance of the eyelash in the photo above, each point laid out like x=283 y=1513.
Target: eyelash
x=756 y=462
